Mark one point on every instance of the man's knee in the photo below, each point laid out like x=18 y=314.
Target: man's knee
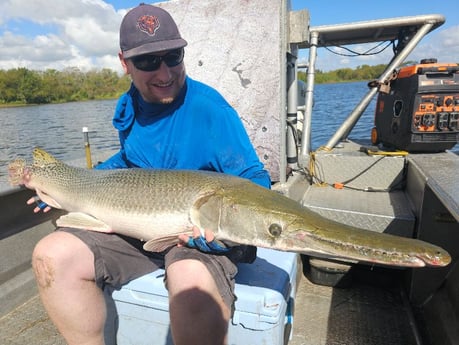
x=192 y=287
x=44 y=269
x=46 y=257
x=55 y=246
x=58 y=256
x=188 y=274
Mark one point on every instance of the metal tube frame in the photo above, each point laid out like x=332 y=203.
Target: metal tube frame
x=292 y=108
x=309 y=99
x=355 y=115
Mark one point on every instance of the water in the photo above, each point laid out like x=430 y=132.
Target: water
x=57 y=127
x=332 y=105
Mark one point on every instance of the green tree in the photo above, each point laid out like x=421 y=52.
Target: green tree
x=23 y=86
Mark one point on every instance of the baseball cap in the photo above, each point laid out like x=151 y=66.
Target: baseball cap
x=148 y=29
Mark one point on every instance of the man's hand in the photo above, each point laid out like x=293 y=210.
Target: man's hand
x=41 y=206
x=204 y=242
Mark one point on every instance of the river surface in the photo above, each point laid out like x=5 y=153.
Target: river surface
x=58 y=127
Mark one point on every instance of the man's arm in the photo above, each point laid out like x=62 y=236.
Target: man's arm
x=117 y=161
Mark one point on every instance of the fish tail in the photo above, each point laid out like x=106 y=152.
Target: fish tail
x=16 y=172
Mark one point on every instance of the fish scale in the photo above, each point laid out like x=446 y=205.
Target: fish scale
x=157 y=205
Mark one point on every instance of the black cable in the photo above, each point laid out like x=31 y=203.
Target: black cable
x=366 y=53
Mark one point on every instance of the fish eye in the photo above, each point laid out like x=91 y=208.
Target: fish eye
x=275 y=230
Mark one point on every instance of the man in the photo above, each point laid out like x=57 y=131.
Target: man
x=166 y=120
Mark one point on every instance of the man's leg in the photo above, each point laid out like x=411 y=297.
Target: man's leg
x=198 y=313
x=64 y=269
x=201 y=295
x=71 y=268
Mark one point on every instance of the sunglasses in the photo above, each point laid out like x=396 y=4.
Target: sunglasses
x=149 y=63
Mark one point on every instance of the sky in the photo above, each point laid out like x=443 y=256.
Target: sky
x=44 y=34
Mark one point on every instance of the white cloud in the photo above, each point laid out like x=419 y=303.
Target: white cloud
x=90 y=36
x=449 y=38
x=86 y=34
x=442 y=44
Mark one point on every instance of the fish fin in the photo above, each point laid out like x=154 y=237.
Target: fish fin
x=160 y=244
x=205 y=213
x=47 y=199
x=43 y=158
x=84 y=221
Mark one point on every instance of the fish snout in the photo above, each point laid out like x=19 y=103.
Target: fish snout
x=439 y=258
x=18 y=173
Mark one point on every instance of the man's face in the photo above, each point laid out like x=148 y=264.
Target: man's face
x=161 y=85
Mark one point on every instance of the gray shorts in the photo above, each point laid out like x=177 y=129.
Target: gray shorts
x=111 y=249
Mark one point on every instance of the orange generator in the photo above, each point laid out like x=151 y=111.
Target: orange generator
x=419 y=112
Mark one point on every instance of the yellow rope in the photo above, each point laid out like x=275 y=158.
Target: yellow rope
x=387 y=153
x=312 y=169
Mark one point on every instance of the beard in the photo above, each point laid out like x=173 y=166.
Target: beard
x=166 y=100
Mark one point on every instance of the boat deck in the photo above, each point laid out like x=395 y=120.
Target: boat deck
x=371 y=310
x=359 y=314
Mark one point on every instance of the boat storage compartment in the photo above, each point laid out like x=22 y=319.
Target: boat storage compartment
x=263 y=312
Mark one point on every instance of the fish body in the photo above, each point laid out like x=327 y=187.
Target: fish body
x=158 y=205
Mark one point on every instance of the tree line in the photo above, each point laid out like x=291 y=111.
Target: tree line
x=24 y=86
x=364 y=72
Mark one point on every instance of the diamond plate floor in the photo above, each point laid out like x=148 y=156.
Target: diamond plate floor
x=381 y=212
x=362 y=314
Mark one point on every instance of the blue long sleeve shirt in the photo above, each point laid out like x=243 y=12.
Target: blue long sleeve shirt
x=198 y=131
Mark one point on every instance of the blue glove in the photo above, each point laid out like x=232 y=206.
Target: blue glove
x=212 y=247
x=40 y=204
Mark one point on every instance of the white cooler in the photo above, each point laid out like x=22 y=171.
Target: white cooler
x=263 y=313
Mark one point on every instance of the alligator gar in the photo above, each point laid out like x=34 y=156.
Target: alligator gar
x=158 y=205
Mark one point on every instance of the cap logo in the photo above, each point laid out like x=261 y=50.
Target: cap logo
x=148 y=24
